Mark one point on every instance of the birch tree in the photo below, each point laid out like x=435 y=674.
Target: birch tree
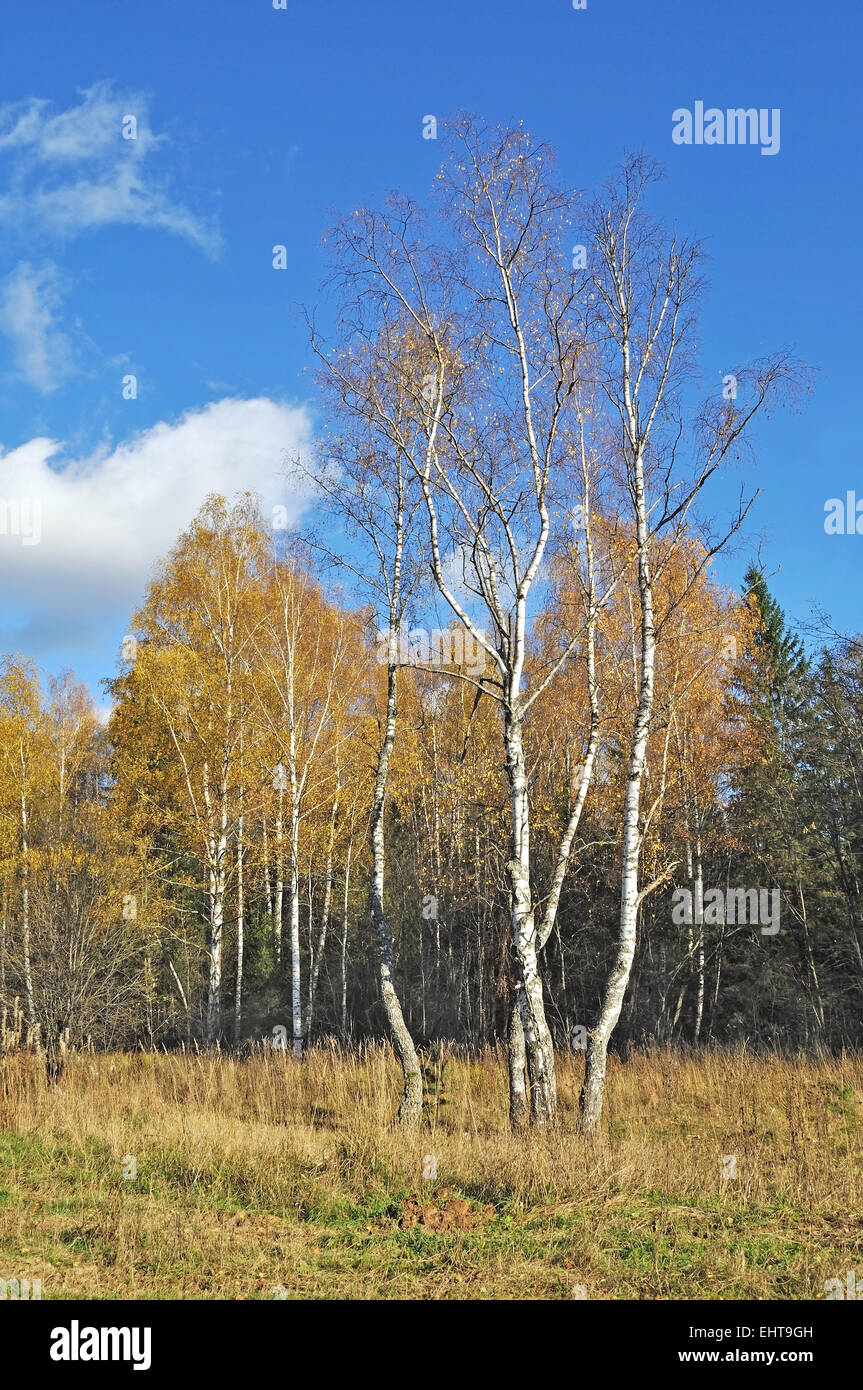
x=23 y=748
x=368 y=489
x=645 y=283
x=489 y=325
x=190 y=663
x=308 y=667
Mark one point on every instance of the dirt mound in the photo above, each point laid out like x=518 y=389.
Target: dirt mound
x=444 y=1214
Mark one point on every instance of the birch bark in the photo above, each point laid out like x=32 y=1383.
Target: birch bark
x=410 y=1109
x=615 y=989
x=241 y=927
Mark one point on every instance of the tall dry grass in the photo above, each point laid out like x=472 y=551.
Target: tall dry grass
x=310 y=1144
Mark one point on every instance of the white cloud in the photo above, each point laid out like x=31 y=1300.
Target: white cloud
x=29 y=299
x=105 y=520
x=73 y=171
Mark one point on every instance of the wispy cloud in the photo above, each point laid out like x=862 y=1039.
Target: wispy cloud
x=29 y=300
x=73 y=171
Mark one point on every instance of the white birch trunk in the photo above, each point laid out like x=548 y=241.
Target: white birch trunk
x=410 y=1109
x=325 y=917
x=241 y=927
x=217 y=922
x=698 y=899
x=268 y=884
x=344 y=959
x=296 y=982
x=180 y=989
x=690 y=950
x=280 y=876
x=217 y=844
x=615 y=989
x=519 y=1106
x=25 y=914
x=537 y=1037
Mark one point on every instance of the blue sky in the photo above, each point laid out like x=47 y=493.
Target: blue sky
x=154 y=257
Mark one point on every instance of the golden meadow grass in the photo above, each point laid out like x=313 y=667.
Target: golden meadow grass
x=271 y=1174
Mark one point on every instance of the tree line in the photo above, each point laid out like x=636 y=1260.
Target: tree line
x=486 y=751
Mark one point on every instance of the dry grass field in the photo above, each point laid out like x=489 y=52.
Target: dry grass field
x=715 y=1176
